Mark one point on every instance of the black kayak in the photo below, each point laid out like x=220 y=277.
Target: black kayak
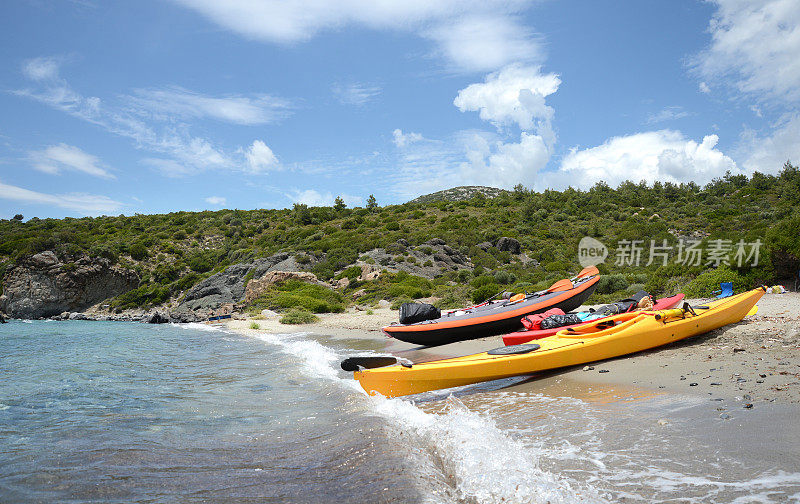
x=496 y=317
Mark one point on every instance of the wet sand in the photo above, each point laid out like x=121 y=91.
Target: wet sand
x=756 y=360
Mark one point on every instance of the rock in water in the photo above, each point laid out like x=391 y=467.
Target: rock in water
x=43 y=285
x=157 y=317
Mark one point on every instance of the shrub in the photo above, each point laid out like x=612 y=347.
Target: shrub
x=611 y=283
x=139 y=252
x=201 y=262
x=463 y=275
x=484 y=292
x=185 y=282
x=143 y=297
x=254 y=325
x=482 y=280
x=297 y=294
x=708 y=281
x=504 y=277
x=298 y=316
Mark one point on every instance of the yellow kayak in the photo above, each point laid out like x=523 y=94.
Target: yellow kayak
x=619 y=335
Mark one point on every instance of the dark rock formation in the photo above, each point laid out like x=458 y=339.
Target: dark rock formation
x=43 y=286
x=485 y=245
x=184 y=316
x=157 y=317
x=429 y=260
x=228 y=286
x=511 y=245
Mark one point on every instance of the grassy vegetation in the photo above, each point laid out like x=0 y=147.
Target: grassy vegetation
x=172 y=252
x=298 y=316
x=295 y=293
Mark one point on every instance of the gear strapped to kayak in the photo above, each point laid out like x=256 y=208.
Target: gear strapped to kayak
x=538 y=332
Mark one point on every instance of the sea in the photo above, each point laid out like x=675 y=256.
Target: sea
x=128 y=412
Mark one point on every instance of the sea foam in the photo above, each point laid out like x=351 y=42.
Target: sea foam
x=459 y=449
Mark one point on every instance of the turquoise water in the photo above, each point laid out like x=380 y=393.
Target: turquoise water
x=125 y=412
x=95 y=411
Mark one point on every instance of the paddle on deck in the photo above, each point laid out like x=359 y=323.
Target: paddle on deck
x=560 y=286
x=587 y=272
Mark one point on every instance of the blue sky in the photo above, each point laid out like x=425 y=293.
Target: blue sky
x=149 y=107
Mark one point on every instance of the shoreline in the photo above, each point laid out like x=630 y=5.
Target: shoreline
x=751 y=362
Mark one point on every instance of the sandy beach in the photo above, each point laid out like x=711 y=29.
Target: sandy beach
x=753 y=361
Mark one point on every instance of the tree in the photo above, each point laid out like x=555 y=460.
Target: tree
x=372 y=203
x=301 y=213
x=18 y=217
x=339 y=204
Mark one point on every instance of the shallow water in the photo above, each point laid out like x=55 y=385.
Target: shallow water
x=94 y=411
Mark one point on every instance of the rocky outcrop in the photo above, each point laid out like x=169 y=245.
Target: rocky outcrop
x=228 y=286
x=256 y=287
x=429 y=260
x=511 y=245
x=44 y=286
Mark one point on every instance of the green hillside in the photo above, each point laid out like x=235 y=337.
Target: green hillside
x=172 y=252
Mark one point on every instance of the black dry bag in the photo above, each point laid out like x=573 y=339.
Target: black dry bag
x=411 y=313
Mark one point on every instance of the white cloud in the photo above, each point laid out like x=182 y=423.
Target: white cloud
x=756 y=45
x=505 y=164
x=42 y=68
x=704 y=88
x=355 y=94
x=768 y=154
x=469 y=158
x=154 y=121
x=667 y=114
x=313 y=198
x=260 y=158
x=216 y=200
x=236 y=109
x=470 y=34
x=514 y=95
x=54 y=91
x=484 y=42
x=86 y=204
x=57 y=157
x=402 y=140
x=655 y=155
